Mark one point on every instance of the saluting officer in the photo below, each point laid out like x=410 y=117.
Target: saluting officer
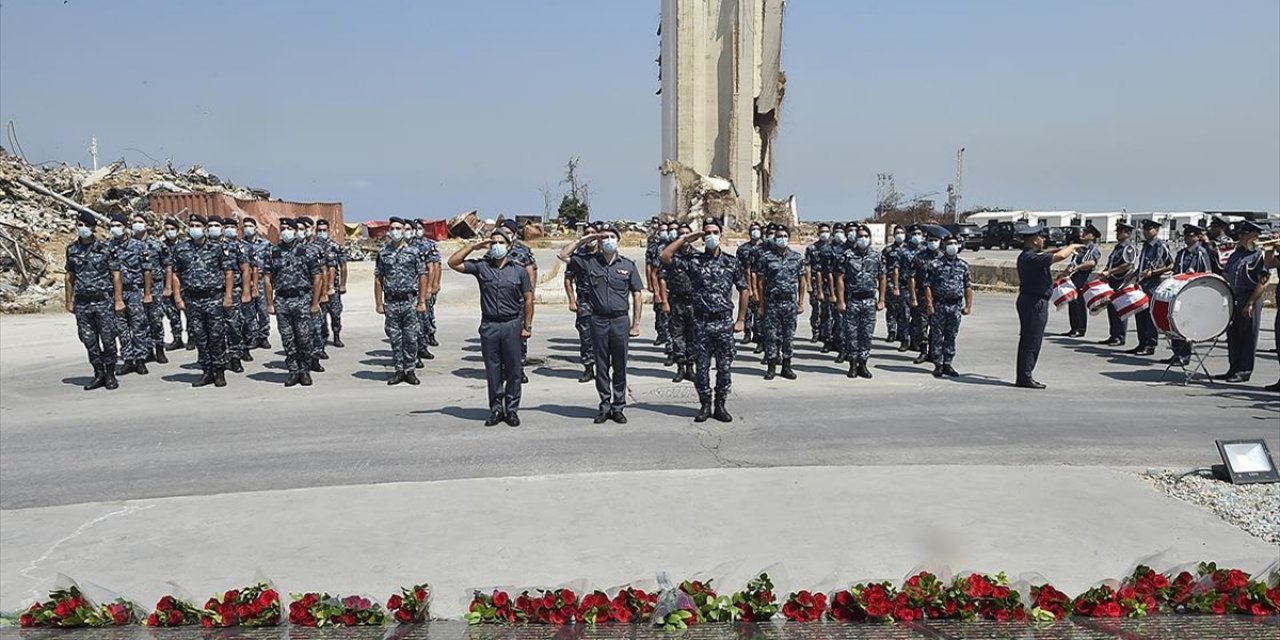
x=1193 y=258
x=614 y=291
x=1154 y=261
x=400 y=295
x=292 y=281
x=522 y=256
x=1247 y=274
x=506 y=321
x=576 y=287
x=131 y=279
x=860 y=291
x=780 y=279
x=89 y=289
x=677 y=299
x=714 y=275
x=1034 y=289
x=1122 y=260
x=948 y=295
x=203 y=277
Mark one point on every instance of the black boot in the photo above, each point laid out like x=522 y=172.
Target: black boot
x=412 y=378
x=689 y=372
x=126 y=368
x=175 y=345
x=937 y=371
x=109 y=379
x=671 y=359
x=316 y=367
x=863 y=371
x=161 y=357
x=323 y=355
x=679 y=377
x=219 y=378
x=337 y=342
x=720 y=412
x=524 y=379
x=396 y=378
x=417 y=364
x=853 y=370
x=949 y=371
x=99 y=379
x=247 y=356
x=234 y=365
x=704 y=412
x=921 y=359
x=264 y=344
x=787 y=371
x=759 y=347
x=140 y=367
x=206 y=378
x=431 y=341
x=191 y=345
x=427 y=355
x=903 y=347
x=294 y=378
x=588 y=373
x=840 y=357
x=304 y=379
x=771 y=372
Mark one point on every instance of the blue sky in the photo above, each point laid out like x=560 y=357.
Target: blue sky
x=430 y=108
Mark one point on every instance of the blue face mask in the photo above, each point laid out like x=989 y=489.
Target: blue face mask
x=825 y=235
x=196 y=233
x=755 y=234
x=214 y=232
x=712 y=241
x=899 y=237
x=289 y=235
x=171 y=234
x=610 y=245
x=84 y=232
x=862 y=242
x=397 y=235
x=117 y=231
x=839 y=238
x=139 y=227
x=934 y=244
x=917 y=239
x=249 y=231
x=498 y=251
x=781 y=242
x=953 y=249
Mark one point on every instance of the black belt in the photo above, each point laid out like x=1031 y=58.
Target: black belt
x=291 y=293
x=1037 y=296
x=400 y=297
x=953 y=300
x=610 y=316
x=86 y=297
x=860 y=295
x=129 y=288
x=201 y=294
x=709 y=317
x=500 y=318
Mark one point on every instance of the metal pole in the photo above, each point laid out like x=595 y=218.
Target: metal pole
x=93 y=151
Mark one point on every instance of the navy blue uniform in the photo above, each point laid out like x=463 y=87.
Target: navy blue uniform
x=1246 y=271
x=502 y=291
x=401 y=269
x=661 y=319
x=202 y=268
x=1076 y=310
x=863 y=270
x=1123 y=254
x=907 y=314
x=92 y=291
x=889 y=257
x=815 y=286
x=1192 y=259
x=609 y=288
x=747 y=253
x=582 y=321
x=781 y=274
x=1155 y=255
x=680 y=298
x=292 y=271
x=131 y=258
x=947 y=279
x=1034 y=289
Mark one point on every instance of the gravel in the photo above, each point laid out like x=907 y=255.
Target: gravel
x=1252 y=507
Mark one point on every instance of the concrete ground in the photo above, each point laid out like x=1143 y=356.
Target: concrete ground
x=832 y=477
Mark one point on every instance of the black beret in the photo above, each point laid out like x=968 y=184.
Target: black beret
x=1218 y=222
x=172 y=222
x=303 y=221
x=839 y=226
x=1151 y=224
x=288 y=223
x=119 y=217
x=195 y=217
x=87 y=219
x=936 y=231
x=212 y=219
x=822 y=225
x=1191 y=228
x=1024 y=229
x=248 y=219
x=1121 y=225
x=715 y=221
x=782 y=228
x=322 y=221
x=396 y=220
x=898 y=227
x=509 y=223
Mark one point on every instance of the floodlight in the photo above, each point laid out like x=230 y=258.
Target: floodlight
x=1247 y=461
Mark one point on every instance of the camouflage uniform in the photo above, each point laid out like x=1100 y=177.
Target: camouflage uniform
x=919 y=322
x=839 y=340
x=400 y=270
x=258 y=250
x=815 y=301
x=906 y=315
x=430 y=255
x=157 y=254
x=714 y=278
x=237 y=344
x=522 y=256
x=582 y=322
x=948 y=279
x=827 y=261
x=889 y=256
x=747 y=253
x=130 y=257
x=781 y=275
x=292 y=270
x=661 y=319
x=862 y=269
x=171 y=311
x=319 y=248
x=96 y=322
x=202 y=270
x=680 y=297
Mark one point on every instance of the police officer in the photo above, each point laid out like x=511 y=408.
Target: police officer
x=153 y=304
x=204 y=278
x=576 y=288
x=256 y=248
x=948 y=295
x=506 y=321
x=713 y=274
x=522 y=256
x=1273 y=262
x=811 y=253
x=665 y=232
x=860 y=288
x=889 y=257
x=307 y=236
x=1193 y=258
x=1034 y=288
x=835 y=268
x=745 y=254
x=901 y=283
x=1219 y=243
x=131 y=278
x=780 y=279
x=431 y=263
x=827 y=259
x=1122 y=260
x=89 y=286
x=614 y=289
x=171 y=311
x=921 y=324
x=225 y=234
x=677 y=300
x=1080 y=270
x=1247 y=274
x=1154 y=261
x=400 y=296
x=336 y=274
x=292 y=280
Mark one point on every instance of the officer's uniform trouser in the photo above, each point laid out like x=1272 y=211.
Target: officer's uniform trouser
x=609 y=337
x=1076 y=311
x=582 y=322
x=713 y=340
x=779 y=329
x=293 y=318
x=1119 y=326
x=96 y=326
x=1033 y=315
x=945 y=326
x=402 y=324
x=174 y=316
x=1242 y=337
x=860 y=325
x=500 y=346
x=207 y=322
x=683 y=330
x=235 y=326
x=134 y=328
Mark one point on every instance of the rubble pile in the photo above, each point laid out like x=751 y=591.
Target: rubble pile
x=38 y=206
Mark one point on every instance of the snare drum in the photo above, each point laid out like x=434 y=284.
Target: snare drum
x=1195 y=307
x=1063 y=292
x=1097 y=294
x=1130 y=300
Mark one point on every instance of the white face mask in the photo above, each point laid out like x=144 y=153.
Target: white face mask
x=171 y=234
x=288 y=235
x=899 y=237
x=781 y=242
x=610 y=245
x=840 y=237
x=712 y=240
x=196 y=233
x=825 y=235
x=934 y=244
x=862 y=242
x=117 y=230
x=917 y=239
x=214 y=232
x=953 y=249
x=84 y=232
x=250 y=231
x=397 y=235
x=139 y=227
x=324 y=235
x=755 y=234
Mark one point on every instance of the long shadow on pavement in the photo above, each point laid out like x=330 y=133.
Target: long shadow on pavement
x=375 y=376
x=77 y=381
x=265 y=376
x=679 y=411
x=557 y=373
x=1142 y=375
x=186 y=378
x=565 y=411
x=462 y=413
x=467 y=372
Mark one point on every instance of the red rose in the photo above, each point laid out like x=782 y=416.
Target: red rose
x=1159 y=581
x=175 y=617
x=206 y=623
x=568 y=596
x=230 y=596
x=394 y=602
x=405 y=616
x=904 y=614
x=1001 y=615
x=844 y=598
x=26 y=620
x=420 y=594
x=1114 y=610
x=349 y=619
x=1259 y=609
x=1219 y=606
x=501 y=599
x=153 y=620
x=243 y=611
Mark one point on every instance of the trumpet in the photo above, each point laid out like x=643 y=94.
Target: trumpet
x=1268 y=242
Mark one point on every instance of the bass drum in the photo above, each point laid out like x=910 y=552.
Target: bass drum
x=1195 y=307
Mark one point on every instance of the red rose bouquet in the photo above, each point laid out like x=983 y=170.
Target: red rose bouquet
x=255 y=606
x=594 y=608
x=803 y=606
x=1099 y=602
x=989 y=597
x=756 y=603
x=412 y=605
x=708 y=606
x=558 y=607
x=172 y=611
x=1049 y=604
x=924 y=592
x=68 y=608
x=495 y=607
x=1223 y=591
x=323 y=610
x=845 y=608
x=879 y=601
x=633 y=606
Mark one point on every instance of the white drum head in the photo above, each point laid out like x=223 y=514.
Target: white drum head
x=1201 y=309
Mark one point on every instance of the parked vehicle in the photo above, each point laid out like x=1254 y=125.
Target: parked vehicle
x=970 y=235
x=1057 y=237
x=1000 y=234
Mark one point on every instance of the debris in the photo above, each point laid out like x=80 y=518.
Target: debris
x=465 y=225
